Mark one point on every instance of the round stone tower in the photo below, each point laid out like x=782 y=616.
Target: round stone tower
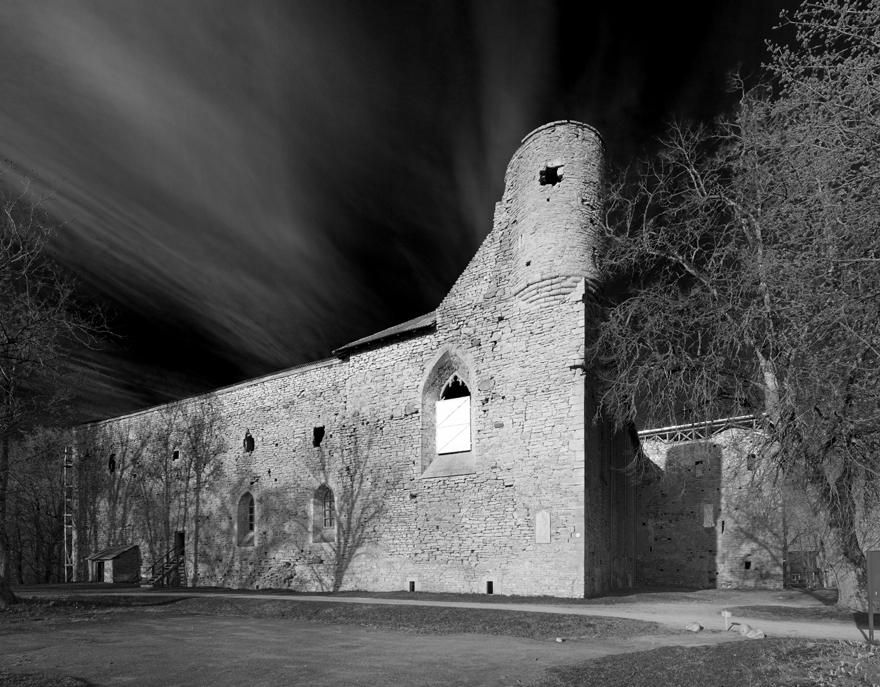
x=552 y=198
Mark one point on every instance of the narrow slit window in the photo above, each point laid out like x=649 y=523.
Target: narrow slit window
x=454 y=418
x=248 y=443
x=328 y=508
x=246 y=520
x=317 y=436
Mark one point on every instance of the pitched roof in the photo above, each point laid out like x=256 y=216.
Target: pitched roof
x=111 y=553
x=413 y=325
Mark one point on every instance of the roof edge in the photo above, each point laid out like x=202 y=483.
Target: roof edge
x=409 y=327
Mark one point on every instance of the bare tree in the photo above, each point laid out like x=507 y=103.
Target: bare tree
x=203 y=442
x=161 y=480
x=39 y=322
x=752 y=256
x=36 y=499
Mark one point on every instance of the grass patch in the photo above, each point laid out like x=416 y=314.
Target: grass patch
x=39 y=680
x=76 y=607
x=810 y=613
x=419 y=619
x=430 y=619
x=765 y=663
x=640 y=596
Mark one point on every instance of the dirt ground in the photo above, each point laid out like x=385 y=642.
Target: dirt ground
x=165 y=647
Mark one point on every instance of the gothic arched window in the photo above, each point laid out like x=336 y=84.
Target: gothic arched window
x=454 y=417
x=449 y=442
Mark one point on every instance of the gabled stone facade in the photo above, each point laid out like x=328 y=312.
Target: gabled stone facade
x=542 y=503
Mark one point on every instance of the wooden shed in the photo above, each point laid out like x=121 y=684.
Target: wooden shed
x=116 y=564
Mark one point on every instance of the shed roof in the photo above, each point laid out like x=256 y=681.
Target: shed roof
x=413 y=325
x=111 y=553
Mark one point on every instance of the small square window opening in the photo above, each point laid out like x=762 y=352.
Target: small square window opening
x=550 y=175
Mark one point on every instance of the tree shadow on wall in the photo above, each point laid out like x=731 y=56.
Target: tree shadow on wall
x=291 y=549
x=361 y=499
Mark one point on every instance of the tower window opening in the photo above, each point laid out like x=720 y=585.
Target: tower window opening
x=748 y=565
x=248 y=443
x=317 y=436
x=175 y=455
x=111 y=464
x=550 y=175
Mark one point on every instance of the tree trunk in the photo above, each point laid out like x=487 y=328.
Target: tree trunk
x=851 y=585
x=846 y=560
x=7 y=598
x=5 y=566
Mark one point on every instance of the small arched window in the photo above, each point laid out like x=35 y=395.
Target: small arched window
x=454 y=417
x=324 y=515
x=246 y=520
x=329 y=508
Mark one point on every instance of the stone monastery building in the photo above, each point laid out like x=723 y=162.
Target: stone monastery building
x=455 y=452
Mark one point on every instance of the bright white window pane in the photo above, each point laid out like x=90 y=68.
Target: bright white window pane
x=454 y=425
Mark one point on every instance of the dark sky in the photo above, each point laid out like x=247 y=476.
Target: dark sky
x=249 y=185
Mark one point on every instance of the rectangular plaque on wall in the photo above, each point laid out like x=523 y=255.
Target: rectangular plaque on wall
x=542 y=527
x=708 y=515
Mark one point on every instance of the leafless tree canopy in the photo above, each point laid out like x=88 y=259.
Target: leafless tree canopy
x=40 y=320
x=751 y=250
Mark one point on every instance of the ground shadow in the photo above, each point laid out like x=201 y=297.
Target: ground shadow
x=828 y=597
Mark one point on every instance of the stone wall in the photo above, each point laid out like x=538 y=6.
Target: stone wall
x=541 y=504
x=709 y=515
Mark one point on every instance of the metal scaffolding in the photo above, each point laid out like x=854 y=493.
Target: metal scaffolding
x=702 y=430
x=67 y=482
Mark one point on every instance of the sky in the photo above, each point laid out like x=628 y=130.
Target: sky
x=246 y=186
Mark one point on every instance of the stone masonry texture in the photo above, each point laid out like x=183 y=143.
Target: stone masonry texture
x=709 y=516
x=513 y=328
